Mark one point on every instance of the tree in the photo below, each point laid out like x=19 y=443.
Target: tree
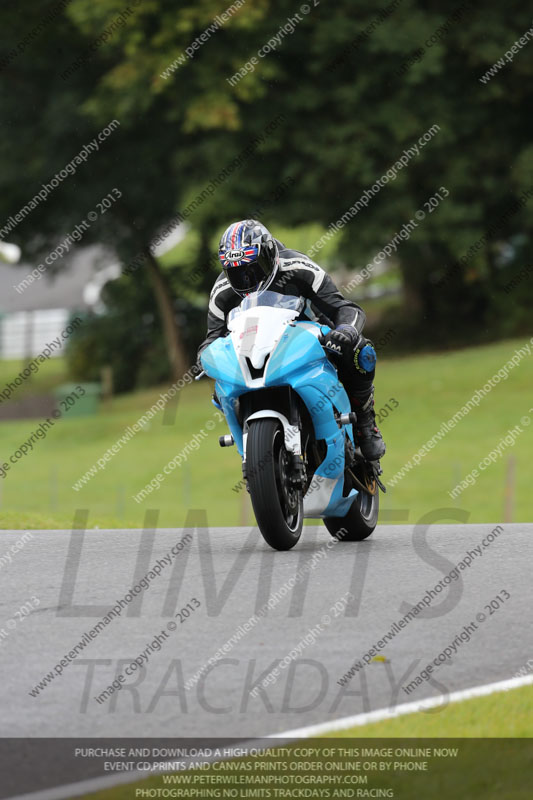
x=352 y=87
x=49 y=121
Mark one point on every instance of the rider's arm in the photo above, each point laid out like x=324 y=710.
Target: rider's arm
x=314 y=283
x=216 y=315
x=340 y=310
x=215 y=327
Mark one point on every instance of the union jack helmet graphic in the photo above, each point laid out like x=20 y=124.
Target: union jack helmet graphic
x=248 y=255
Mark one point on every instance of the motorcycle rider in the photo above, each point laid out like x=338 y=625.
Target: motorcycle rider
x=252 y=259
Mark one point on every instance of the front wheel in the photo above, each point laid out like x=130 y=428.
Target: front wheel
x=277 y=504
x=360 y=520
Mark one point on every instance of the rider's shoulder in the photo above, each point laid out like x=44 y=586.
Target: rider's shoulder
x=294 y=258
x=301 y=265
x=220 y=285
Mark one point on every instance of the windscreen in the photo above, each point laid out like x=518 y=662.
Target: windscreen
x=273 y=299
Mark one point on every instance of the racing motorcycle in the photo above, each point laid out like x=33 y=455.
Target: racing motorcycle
x=290 y=419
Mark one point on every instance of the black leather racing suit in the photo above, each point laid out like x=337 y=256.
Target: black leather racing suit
x=298 y=275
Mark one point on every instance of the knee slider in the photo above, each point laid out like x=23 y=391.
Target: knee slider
x=365 y=356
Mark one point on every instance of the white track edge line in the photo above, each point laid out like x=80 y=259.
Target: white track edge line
x=405 y=708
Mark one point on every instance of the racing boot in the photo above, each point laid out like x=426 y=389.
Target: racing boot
x=367 y=434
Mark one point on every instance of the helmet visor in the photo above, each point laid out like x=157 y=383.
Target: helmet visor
x=244 y=268
x=246 y=278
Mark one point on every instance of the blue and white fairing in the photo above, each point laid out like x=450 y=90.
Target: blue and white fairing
x=265 y=348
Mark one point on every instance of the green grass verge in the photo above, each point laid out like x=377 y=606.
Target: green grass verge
x=506 y=714
x=429 y=389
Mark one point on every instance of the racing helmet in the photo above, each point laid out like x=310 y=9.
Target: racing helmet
x=249 y=256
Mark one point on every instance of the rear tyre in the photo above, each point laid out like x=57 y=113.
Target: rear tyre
x=278 y=506
x=360 y=520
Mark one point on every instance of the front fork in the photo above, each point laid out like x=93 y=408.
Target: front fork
x=297 y=473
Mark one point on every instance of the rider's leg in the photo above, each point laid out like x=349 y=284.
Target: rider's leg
x=359 y=384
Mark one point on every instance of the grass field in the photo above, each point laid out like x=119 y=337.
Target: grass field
x=37 y=491
x=49 y=375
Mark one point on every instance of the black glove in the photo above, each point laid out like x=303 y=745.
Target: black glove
x=341 y=342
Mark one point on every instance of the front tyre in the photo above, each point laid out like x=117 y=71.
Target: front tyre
x=277 y=504
x=360 y=520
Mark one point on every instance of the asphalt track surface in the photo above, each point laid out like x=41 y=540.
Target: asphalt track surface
x=78 y=576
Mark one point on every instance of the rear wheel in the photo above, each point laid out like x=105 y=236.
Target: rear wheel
x=277 y=504
x=361 y=519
